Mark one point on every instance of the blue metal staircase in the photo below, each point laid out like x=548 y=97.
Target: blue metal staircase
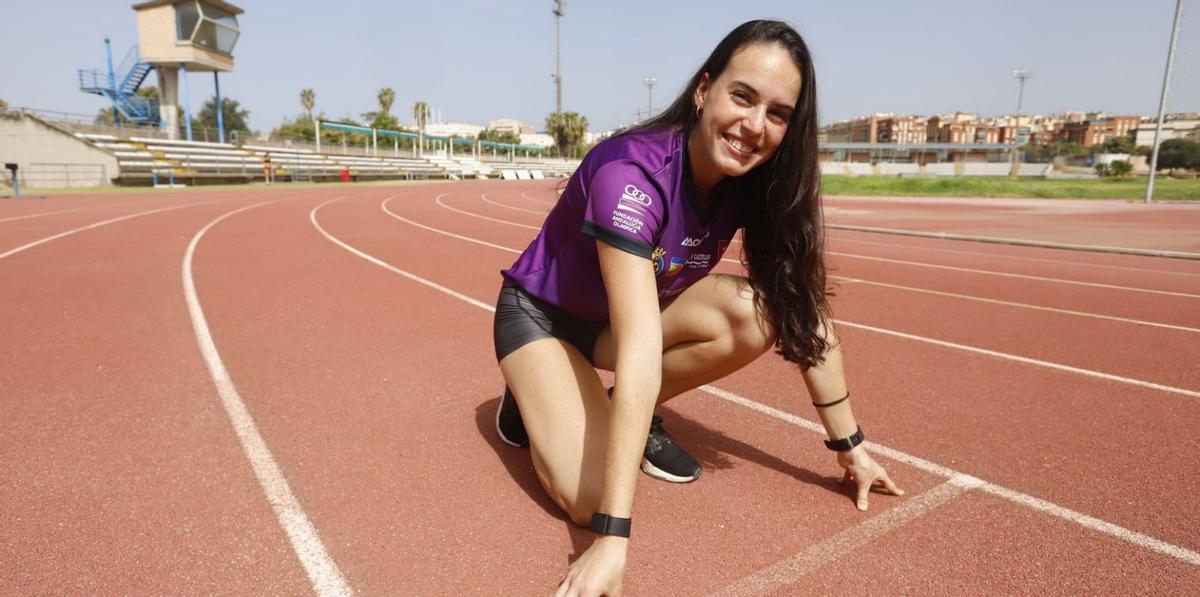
x=120 y=86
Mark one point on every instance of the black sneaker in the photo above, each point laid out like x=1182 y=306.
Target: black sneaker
x=664 y=460
x=508 y=422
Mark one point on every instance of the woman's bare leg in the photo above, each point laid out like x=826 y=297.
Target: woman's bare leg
x=565 y=410
x=709 y=331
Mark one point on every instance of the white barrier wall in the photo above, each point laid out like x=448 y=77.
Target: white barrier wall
x=39 y=148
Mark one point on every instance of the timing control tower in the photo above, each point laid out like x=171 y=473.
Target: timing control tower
x=181 y=36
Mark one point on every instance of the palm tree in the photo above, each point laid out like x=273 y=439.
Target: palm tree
x=567 y=129
x=308 y=99
x=386 y=97
x=420 y=113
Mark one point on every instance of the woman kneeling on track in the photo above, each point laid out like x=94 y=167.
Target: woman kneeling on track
x=618 y=279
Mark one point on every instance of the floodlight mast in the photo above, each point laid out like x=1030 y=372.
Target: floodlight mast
x=559 y=5
x=1162 y=102
x=1020 y=74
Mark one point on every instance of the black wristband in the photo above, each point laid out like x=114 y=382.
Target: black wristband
x=610 y=525
x=847 y=443
x=838 y=401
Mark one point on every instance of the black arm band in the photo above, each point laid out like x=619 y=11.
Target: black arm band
x=838 y=401
x=610 y=525
x=842 y=445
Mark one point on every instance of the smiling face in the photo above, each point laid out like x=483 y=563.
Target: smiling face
x=745 y=113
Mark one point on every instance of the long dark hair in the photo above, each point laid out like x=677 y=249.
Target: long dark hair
x=781 y=201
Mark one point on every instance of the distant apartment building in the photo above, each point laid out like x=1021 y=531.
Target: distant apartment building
x=958 y=128
x=1098 y=128
x=1175 y=126
x=856 y=130
x=903 y=130
x=511 y=125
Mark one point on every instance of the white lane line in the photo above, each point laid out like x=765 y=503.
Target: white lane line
x=968 y=297
x=532 y=211
x=1026 y=360
x=312 y=216
x=139 y=214
x=1019 y=305
x=1010 y=275
x=67 y=211
x=536 y=200
x=1017 y=241
x=389 y=212
x=323 y=573
x=1090 y=522
x=438 y=200
x=943 y=343
x=794 y=568
x=1096 y=524
x=843 y=239
x=1007 y=274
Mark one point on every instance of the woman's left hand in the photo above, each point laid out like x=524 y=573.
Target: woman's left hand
x=866 y=474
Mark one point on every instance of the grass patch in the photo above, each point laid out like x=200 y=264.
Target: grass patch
x=981 y=186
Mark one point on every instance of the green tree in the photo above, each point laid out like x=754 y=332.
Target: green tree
x=1117 y=145
x=232 y=115
x=420 y=114
x=383 y=119
x=1179 y=153
x=386 y=97
x=308 y=99
x=1120 y=169
x=568 y=130
x=499 y=136
x=3 y=105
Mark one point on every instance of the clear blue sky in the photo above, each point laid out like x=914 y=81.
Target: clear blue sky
x=477 y=60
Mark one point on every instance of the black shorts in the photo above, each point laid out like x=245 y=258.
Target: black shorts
x=522 y=318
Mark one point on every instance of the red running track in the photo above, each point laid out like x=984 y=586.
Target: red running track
x=1038 y=405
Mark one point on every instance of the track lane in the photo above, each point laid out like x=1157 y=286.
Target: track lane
x=120 y=472
x=997 y=375
x=1054 y=337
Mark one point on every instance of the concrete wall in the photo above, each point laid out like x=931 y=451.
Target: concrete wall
x=51 y=157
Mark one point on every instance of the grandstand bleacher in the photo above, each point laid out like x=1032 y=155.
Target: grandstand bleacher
x=141 y=158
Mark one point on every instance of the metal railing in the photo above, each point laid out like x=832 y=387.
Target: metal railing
x=46 y=175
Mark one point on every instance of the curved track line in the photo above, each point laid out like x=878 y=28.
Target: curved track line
x=532 y=211
x=323 y=573
x=1016 y=497
x=63 y=211
x=312 y=217
x=968 y=297
x=438 y=200
x=102 y=223
x=524 y=196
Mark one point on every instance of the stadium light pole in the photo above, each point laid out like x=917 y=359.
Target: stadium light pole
x=559 y=5
x=1162 y=101
x=1020 y=74
x=650 y=81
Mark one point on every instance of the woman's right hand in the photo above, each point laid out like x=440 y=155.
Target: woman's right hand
x=599 y=571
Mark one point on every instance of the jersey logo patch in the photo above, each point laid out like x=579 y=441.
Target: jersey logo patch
x=664 y=268
x=634 y=200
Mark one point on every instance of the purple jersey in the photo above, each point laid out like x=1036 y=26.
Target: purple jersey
x=632 y=192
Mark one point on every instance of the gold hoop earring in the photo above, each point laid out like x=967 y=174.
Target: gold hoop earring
x=698 y=111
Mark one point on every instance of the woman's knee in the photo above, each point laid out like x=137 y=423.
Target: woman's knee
x=748 y=325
